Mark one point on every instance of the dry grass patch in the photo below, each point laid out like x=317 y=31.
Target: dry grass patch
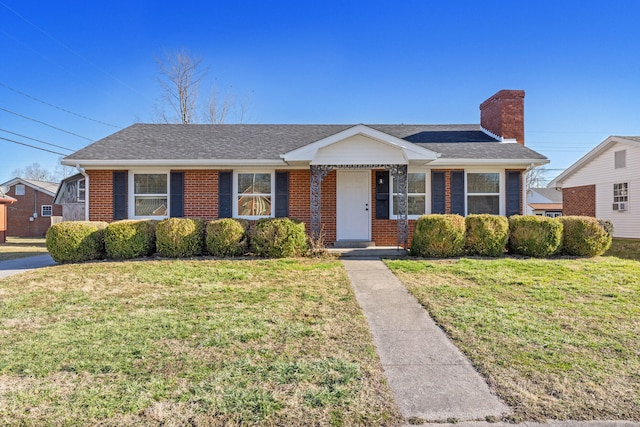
x=21 y=247
x=557 y=339
x=206 y=342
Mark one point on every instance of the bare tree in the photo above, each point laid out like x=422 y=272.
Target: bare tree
x=180 y=77
x=181 y=74
x=537 y=178
x=37 y=172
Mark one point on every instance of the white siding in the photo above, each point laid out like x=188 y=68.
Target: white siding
x=359 y=149
x=601 y=171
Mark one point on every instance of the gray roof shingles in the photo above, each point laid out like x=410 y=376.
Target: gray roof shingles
x=237 y=142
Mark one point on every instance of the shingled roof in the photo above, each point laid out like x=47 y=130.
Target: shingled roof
x=254 y=142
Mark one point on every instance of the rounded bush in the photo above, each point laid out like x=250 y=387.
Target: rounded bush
x=487 y=235
x=180 y=237
x=76 y=241
x=583 y=236
x=227 y=237
x=130 y=239
x=278 y=238
x=534 y=236
x=438 y=236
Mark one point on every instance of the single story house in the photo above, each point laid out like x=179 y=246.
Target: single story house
x=71 y=196
x=605 y=183
x=4 y=202
x=544 y=202
x=30 y=215
x=348 y=183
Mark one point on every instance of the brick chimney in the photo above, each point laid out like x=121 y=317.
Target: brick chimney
x=503 y=115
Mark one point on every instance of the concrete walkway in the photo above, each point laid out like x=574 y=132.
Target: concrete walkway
x=16 y=266
x=430 y=378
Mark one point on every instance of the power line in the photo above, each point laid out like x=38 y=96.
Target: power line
x=59 y=108
x=37 y=140
x=46 y=124
x=69 y=49
x=32 y=146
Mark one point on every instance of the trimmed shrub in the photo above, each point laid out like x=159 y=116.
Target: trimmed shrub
x=438 y=236
x=130 y=239
x=227 y=237
x=487 y=235
x=534 y=236
x=180 y=237
x=583 y=236
x=76 y=241
x=279 y=238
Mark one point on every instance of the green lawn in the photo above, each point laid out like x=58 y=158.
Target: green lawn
x=556 y=338
x=197 y=342
x=21 y=247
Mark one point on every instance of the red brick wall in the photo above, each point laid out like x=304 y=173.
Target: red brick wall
x=503 y=114
x=100 y=195
x=18 y=213
x=579 y=200
x=384 y=231
x=201 y=194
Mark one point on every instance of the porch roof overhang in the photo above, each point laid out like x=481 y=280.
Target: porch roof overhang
x=360 y=145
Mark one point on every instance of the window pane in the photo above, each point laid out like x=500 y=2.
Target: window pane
x=254 y=205
x=483 y=183
x=254 y=183
x=46 y=210
x=150 y=183
x=150 y=206
x=415 y=205
x=483 y=205
x=417 y=183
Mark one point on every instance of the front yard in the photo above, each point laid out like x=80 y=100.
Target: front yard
x=21 y=247
x=202 y=342
x=556 y=339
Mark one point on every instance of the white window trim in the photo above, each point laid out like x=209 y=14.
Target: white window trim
x=131 y=196
x=78 y=199
x=50 y=210
x=501 y=189
x=235 y=194
x=426 y=194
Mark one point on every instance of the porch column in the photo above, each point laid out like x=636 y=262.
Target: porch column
x=318 y=173
x=401 y=177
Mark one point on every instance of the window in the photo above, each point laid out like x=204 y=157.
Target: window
x=553 y=214
x=81 y=190
x=254 y=194
x=416 y=195
x=150 y=193
x=620 y=159
x=620 y=196
x=19 y=190
x=47 y=210
x=483 y=193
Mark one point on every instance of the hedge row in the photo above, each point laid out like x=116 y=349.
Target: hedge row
x=441 y=236
x=75 y=241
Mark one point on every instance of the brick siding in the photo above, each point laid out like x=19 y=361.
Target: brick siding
x=579 y=200
x=18 y=213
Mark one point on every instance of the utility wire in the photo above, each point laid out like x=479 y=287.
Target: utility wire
x=69 y=49
x=32 y=146
x=37 y=140
x=59 y=108
x=46 y=124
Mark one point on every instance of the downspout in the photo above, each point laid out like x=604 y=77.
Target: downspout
x=86 y=191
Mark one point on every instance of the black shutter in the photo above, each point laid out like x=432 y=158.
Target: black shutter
x=382 y=195
x=225 y=194
x=120 y=181
x=282 y=194
x=514 y=192
x=457 y=192
x=176 y=191
x=438 y=189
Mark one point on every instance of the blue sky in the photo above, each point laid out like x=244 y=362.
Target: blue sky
x=322 y=62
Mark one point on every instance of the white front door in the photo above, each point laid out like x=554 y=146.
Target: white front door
x=353 y=205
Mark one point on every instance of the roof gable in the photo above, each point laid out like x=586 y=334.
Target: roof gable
x=595 y=152
x=47 y=187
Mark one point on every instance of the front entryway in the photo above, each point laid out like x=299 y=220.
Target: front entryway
x=353 y=216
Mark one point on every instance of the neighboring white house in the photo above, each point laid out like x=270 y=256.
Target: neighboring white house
x=544 y=202
x=605 y=183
